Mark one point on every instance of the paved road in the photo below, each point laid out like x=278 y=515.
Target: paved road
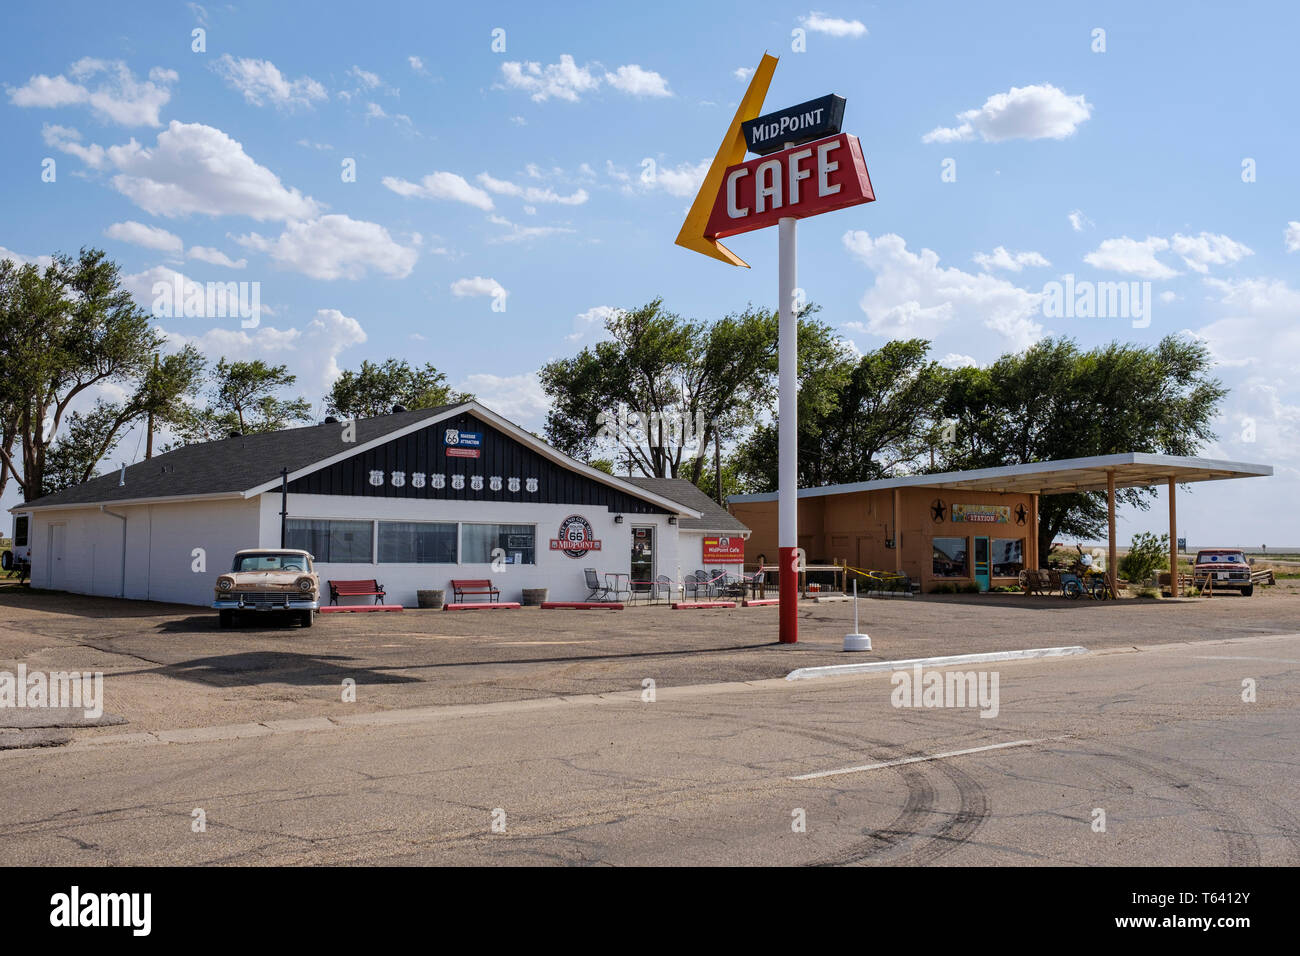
x=1186 y=772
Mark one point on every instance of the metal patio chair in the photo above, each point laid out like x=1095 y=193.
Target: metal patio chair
x=597 y=591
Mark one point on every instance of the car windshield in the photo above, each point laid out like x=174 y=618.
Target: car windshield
x=1221 y=557
x=271 y=562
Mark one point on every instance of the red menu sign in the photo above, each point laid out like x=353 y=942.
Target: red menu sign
x=720 y=549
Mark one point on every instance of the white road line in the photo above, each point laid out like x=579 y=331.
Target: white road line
x=1266 y=660
x=906 y=760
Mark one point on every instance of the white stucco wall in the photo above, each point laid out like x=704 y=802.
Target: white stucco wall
x=554 y=570
x=160 y=543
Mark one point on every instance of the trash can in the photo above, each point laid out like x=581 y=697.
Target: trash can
x=533 y=597
x=432 y=598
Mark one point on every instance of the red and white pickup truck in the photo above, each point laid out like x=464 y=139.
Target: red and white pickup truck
x=1227 y=566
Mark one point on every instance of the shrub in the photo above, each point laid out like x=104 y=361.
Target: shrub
x=1146 y=555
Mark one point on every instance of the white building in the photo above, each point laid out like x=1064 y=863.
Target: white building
x=412 y=499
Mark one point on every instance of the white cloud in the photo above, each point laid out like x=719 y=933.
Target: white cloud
x=1000 y=258
x=1207 y=249
x=417 y=65
x=635 y=81
x=196 y=168
x=336 y=247
x=1132 y=257
x=743 y=73
x=1078 y=220
x=441 y=185
x=151 y=237
x=584 y=323
x=19 y=259
x=1293 y=236
x=215 y=256
x=957 y=360
x=1026 y=112
x=119 y=97
x=68 y=140
x=532 y=194
x=684 y=179
x=833 y=26
x=914 y=296
x=519 y=398
x=479 y=285
x=262 y=82
x=568 y=81
x=564 y=80
x=519 y=233
x=367 y=79
x=311 y=353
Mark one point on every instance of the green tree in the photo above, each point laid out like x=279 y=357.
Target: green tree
x=64 y=330
x=161 y=398
x=375 y=388
x=1055 y=401
x=661 y=388
x=860 y=418
x=242 y=397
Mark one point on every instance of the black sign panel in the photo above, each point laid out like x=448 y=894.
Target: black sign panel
x=804 y=123
x=419 y=465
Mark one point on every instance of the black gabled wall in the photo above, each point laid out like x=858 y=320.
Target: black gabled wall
x=501 y=455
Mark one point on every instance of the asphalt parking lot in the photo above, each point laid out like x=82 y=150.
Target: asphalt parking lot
x=169 y=666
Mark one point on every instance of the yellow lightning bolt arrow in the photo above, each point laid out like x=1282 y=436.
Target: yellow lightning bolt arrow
x=731 y=151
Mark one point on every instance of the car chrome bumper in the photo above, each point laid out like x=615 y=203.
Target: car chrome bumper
x=278 y=606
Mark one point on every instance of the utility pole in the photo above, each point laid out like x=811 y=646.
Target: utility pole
x=148 y=435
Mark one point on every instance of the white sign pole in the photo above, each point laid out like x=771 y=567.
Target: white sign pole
x=788 y=432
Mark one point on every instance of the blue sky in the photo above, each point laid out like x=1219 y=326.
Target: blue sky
x=528 y=169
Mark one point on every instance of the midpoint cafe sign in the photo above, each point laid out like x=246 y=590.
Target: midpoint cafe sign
x=799 y=182
x=804 y=123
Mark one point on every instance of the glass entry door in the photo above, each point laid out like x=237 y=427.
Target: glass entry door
x=643 y=555
x=982 y=563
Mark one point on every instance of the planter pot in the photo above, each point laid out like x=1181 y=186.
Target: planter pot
x=534 y=596
x=432 y=598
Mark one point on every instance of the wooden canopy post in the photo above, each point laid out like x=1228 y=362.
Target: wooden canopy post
x=1036 y=561
x=1173 y=539
x=1111 y=576
x=898 y=538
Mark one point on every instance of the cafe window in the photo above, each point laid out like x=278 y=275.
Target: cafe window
x=517 y=543
x=417 y=542
x=330 y=542
x=1008 y=557
x=950 y=558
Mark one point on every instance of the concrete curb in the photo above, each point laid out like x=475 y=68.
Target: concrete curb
x=840 y=670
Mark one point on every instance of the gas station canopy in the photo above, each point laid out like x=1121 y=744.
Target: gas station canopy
x=1131 y=470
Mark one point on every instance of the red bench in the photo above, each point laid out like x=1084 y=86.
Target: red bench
x=366 y=588
x=462 y=586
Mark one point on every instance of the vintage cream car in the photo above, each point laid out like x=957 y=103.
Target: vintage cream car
x=267 y=580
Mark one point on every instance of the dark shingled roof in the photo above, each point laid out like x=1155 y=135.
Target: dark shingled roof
x=232 y=464
x=714 y=517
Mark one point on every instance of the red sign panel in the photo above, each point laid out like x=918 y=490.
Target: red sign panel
x=724 y=550
x=798 y=182
x=454 y=452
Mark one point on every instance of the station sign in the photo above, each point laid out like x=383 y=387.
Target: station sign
x=799 y=182
x=461 y=444
x=794 y=125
